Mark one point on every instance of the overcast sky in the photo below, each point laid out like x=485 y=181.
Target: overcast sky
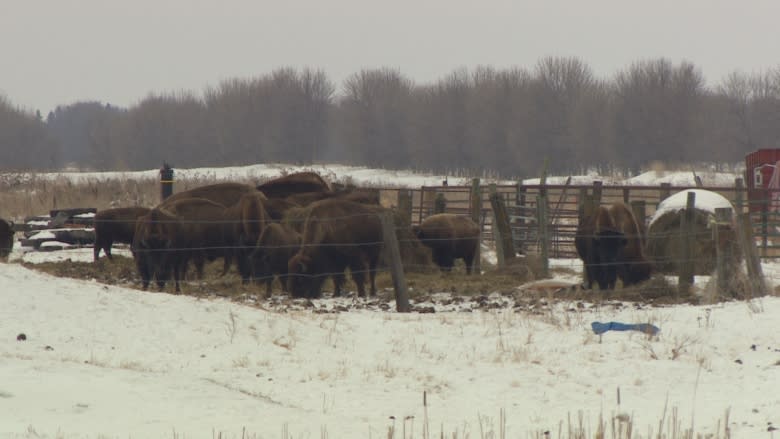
x=61 y=51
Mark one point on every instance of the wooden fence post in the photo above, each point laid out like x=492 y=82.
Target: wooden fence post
x=665 y=191
x=587 y=208
x=626 y=195
x=502 y=231
x=685 y=264
x=581 y=199
x=739 y=196
x=404 y=204
x=765 y=224
x=722 y=236
x=597 y=189
x=439 y=203
x=166 y=181
x=747 y=243
x=393 y=258
x=520 y=198
x=476 y=216
x=544 y=236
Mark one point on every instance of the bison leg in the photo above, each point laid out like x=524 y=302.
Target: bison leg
x=199 y=260
x=244 y=267
x=469 y=261
x=590 y=274
x=444 y=260
x=372 y=275
x=107 y=248
x=359 y=277
x=269 y=286
x=95 y=252
x=338 y=283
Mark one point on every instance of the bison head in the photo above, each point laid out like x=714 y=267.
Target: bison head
x=609 y=246
x=303 y=280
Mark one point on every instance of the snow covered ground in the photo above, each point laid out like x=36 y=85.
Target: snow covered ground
x=387 y=177
x=102 y=361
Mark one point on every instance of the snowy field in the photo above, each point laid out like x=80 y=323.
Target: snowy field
x=102 y=361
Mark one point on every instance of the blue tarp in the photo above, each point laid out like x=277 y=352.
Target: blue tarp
x=600 y=328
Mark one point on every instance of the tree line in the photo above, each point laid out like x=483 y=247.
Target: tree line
x=501 y=121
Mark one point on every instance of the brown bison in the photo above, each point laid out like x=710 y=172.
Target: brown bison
x=633 y=266
x=296 y=183
x=278 y=207
x=6 y=238
x=449 y=237
x=115 y=225
x=295 y=217
x=226 y=194
x=244 y=223
x=609 y=241
x=168 y=237
x=337 y=234
x=274 y=249
x=357 y=195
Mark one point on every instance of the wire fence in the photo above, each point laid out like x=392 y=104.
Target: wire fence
x=543 y=221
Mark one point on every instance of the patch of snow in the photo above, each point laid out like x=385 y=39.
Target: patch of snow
x=45 y=234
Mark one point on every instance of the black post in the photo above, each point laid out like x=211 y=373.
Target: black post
x=166 y=181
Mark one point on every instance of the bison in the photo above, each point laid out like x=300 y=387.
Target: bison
x=167 y=238
x=633 y=267
x=337 y=234
x=226 y=194
x=244 y=223
x=115 y=225
x=6 y=238
x=357 y=195
x=278 y=207
x=295 y=217
x=295 y=183
x=609 y=241
x=449 y=237
x=275 y=247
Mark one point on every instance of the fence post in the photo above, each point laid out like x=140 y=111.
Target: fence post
x=439 y=203
x=582 y=198
x=685 y=273
x=723 y=257
x=747 y=243
x=665 y=191
x=765 y=223
x=597 y=189
x=502 y=231
x=404 y=204
x=739 y=199
x=544 y=233
x=587 y=207
x=166 y=181
x=393 y=257
x=626 y=195
x=520 y=198
x=476 y=215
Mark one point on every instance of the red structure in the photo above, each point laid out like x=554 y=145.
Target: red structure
x=762 y=176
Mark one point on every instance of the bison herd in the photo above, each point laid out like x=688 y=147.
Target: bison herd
x=295 y=228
